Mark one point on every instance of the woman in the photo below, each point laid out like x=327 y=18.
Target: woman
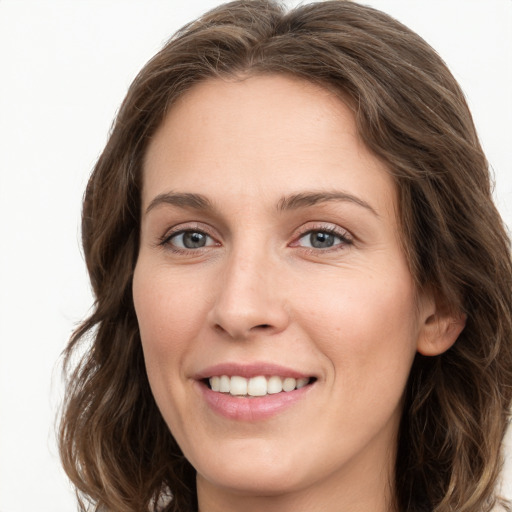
x=302 y=283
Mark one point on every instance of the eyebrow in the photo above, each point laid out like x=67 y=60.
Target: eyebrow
x=305 y=199
x=291 y=202
x=182 y=200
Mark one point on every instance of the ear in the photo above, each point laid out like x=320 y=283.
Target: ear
x=440 y=327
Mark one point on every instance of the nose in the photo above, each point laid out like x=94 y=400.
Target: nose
x=249 y=299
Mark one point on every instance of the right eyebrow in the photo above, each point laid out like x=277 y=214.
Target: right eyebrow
x=183 y=200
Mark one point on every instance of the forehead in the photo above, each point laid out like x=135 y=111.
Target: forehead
x=270 y=135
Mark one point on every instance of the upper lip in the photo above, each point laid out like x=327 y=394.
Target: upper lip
x=249 y=370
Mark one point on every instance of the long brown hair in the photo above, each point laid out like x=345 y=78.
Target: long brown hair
x=411 y=113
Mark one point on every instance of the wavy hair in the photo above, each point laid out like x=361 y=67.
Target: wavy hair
x=410 y=112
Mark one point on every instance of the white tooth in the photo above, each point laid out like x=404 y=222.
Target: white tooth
x=257 y=386
x=225 y=384
x=289 y=384
x=302 y=382
x=215 y=383
x=238 y=385
x=274 y=385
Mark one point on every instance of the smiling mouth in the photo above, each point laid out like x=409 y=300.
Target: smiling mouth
x=256 y=386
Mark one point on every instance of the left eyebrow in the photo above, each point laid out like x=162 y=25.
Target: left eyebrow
x=305 y=199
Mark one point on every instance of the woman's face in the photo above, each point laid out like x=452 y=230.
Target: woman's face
x=270 y=252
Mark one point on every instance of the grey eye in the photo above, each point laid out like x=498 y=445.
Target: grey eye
x=321 y=240
x=191 y=240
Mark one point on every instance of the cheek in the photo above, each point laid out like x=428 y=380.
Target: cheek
x=169 y=313
x=366 y=327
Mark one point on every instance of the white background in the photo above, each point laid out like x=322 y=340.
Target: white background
x=64 y=69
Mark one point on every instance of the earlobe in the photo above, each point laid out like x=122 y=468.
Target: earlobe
x=440 y=331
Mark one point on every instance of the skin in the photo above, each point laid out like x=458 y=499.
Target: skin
x=348 y=314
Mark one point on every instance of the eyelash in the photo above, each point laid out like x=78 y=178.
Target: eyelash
x=344 y=239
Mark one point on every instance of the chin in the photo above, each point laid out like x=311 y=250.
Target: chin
x=252 y=472
x=254 y=480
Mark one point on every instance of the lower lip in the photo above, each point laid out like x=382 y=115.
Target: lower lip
x=251 y=409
